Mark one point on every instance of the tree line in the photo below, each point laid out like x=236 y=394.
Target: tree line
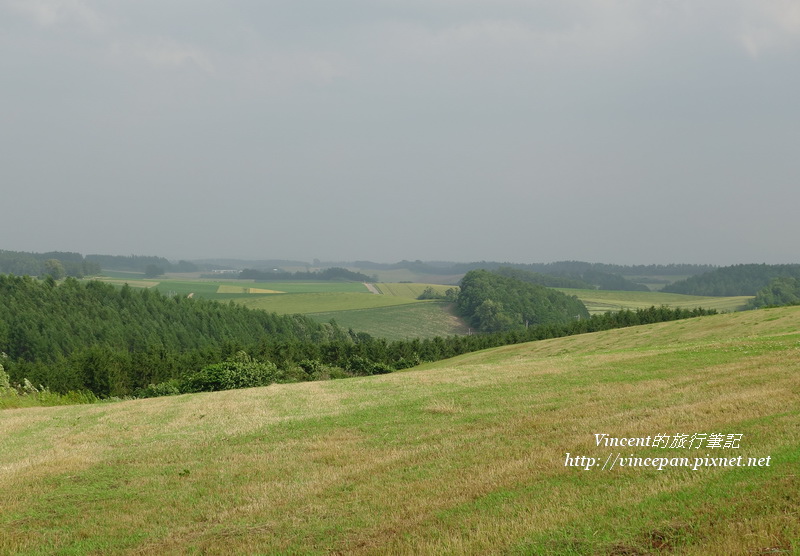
x=328 y=274
x=140 y=263
x=57 y=264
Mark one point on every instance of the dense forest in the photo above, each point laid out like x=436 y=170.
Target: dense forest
x=73 y=337
x=111 y=340
x=494 y=302
x=328 y=274
x=743 y=279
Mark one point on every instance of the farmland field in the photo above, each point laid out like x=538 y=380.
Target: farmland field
x=399 y=322
x=319 y=302
x=465 y=456
x=411 y=291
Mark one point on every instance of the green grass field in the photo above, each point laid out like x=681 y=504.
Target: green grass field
x=466 y=456
x=319 y=302
x=411 y=291
x=400 y=322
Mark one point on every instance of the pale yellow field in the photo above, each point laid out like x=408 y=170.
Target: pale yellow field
x=131 y=283
x=237 y=289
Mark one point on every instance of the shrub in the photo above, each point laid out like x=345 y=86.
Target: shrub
x=168 y=388
x=319 y=371
x=4 y=384
x=364 y=367
x=240 y=371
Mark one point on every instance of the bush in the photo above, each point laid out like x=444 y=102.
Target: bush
x=168 y=388
x=317 y=370
x=4 y=383
x=364 y=367
x=240 y=371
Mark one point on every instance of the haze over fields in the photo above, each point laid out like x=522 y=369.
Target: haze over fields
x=617 y=131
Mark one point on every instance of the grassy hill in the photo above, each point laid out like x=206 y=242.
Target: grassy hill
x=463 y=456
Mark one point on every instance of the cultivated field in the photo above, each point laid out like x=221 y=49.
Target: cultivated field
x=400 y=322
x=465 y=456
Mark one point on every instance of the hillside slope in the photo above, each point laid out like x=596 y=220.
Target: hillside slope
x=470 y=455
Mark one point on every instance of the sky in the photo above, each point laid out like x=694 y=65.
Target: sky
x=617 y=131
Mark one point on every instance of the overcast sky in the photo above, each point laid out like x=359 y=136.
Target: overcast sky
x=620 y=131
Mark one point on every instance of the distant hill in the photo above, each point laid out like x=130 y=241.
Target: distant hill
x=743 y=279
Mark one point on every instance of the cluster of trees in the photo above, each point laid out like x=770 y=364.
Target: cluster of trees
x=494 y=302
x=57 y=264
x=328 y=274
x=743 y=279
x=450 y=294
x=95 y=338
x=784 y=290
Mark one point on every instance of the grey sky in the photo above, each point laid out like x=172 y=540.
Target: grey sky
x=622 y=131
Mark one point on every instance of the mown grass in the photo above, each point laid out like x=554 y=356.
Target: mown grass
x=464 y=456
x=400 y=322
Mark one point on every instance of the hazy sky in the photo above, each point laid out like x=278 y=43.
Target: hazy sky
x=621 y=131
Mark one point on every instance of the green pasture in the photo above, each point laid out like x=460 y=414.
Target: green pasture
x=319 y=302
x=411 y=291
x=400 y=322
x=601 y=301
x=465 y=456
x=210 y=288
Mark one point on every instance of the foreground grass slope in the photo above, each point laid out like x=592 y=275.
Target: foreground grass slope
x=464 y=456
